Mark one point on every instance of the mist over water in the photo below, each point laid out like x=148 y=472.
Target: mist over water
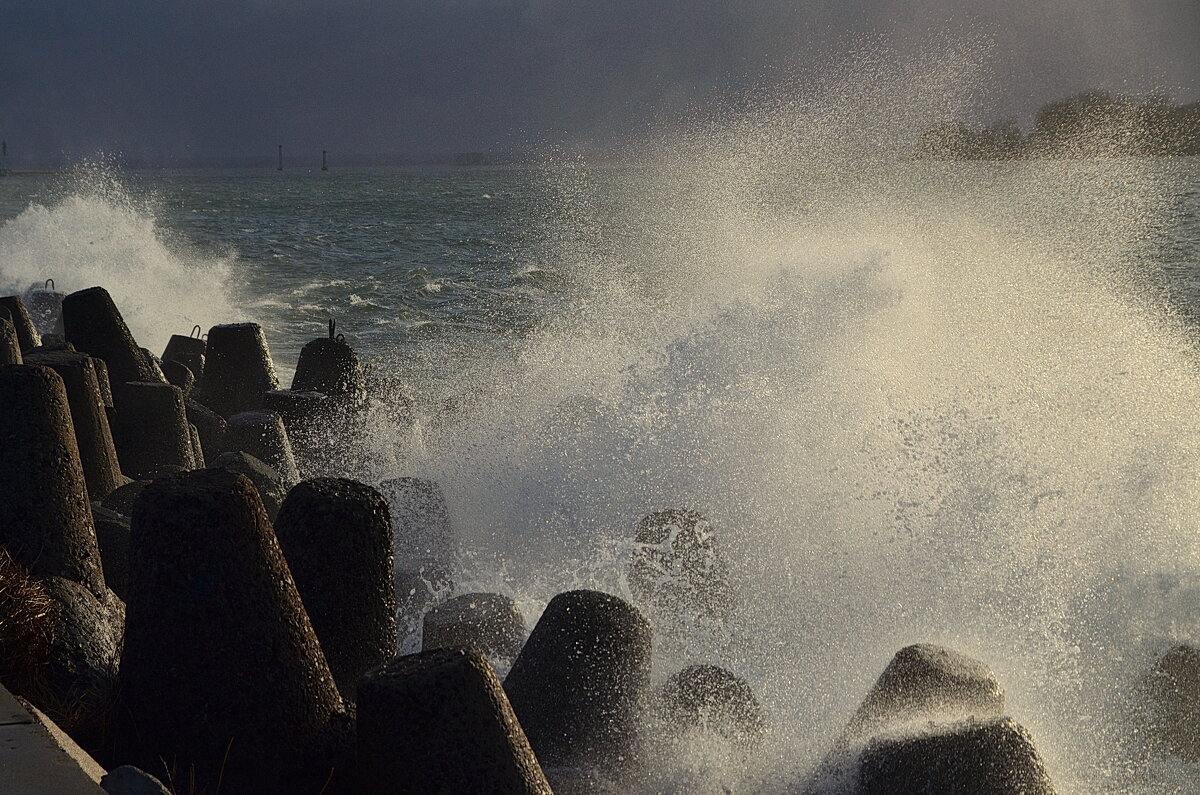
x=920 y=402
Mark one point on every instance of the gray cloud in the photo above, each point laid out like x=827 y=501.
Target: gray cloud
x=176 y=77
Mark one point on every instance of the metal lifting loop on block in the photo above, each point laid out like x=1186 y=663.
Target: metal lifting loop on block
x=341 y=337
x=332 y=326
x=196 y=332
x=50 y=284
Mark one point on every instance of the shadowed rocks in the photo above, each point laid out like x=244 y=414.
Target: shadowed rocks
x=10 y=346
x=112 y=536
x=222 y=671
x=151 y=429
x=237 y=369
x=439 y=722
x=337 y=537
x=991 y=757
x=210 y=426
x=712 y=699
x=45 y=516
x=93 y=324
x=1173 y=690
x=924 y=681
x=485 y=621
x=180 y=375
x=262 y=435
x=270 y=485
x=579 y=683
x=93 y=436
x=18 y=314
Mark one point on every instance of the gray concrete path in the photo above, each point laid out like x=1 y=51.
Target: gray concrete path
x=37 y=758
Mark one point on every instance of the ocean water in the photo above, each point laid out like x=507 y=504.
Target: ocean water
x=953 y=403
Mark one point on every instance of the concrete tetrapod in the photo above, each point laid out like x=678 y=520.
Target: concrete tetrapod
x=222 y=672
x=579 y=684
x=712 y=699
x=45 y=516
x=151 y=429
x=991 y=757
x=97 y=452
x=438 y=722
x=188 y=351
x=329 y=366
x=237 y=369
x=10 y=345
x=262 y=435
x=18 y=314
x=94 y=325
x=337 y=537
x=489 y=622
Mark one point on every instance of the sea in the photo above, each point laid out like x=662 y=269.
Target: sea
x=920 y=402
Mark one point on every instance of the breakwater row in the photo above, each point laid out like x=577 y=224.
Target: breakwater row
x=196 y=589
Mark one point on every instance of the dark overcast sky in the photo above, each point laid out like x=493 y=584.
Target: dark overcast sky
x=234 y=77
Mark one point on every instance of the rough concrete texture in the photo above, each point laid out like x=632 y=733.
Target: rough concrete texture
x=489 y=622
x=262 y=435
x=179 y=374
x=210 y=425
x=926 y=681
x=38 y=758
x=93 y=436
x=439 y=722
x=1173 y=690
x=237 y=369
x=221 y=668
x=188 y=351
x=329 y=366
x=18 y=315
x=112 y=535
x=270 y=485
x=10 y=346
x=94 y=325
x=337 y=537
x=992 y=757
x=712 y=699
x=45 y=518
x=151 y=429
x=578 y=687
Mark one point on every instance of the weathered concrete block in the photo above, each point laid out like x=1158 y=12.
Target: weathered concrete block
x=217 y=635
x=579 y=685
x=1173 y=690
x=95 y=326
x=180 y=375
x=262 y=435
x=676 y=569
x=271 y=488
x=188 y=351
x=93 y=436
x=489 y=622
x=237 y=369
x=112 y=535
x=45 y=520
x=439 y=722
x=10 y=345
x=151 y=429
x=18 y=314
x=337 y=537
x=992 y=757
x=329 y=366
x=712 y=699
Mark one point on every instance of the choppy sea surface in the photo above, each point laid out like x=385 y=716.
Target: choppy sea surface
x=955 y=403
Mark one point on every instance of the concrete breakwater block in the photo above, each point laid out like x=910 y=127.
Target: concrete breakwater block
x=180 y=375
x=1173 y=691
x=112 y=535
x=262 y=435
x=210 y=426
x=337 y=537
x=151 y=429
x=489 y=622
x=18 y=315
x=93 y=436
x=420 y=517
x=94 y=325
x=237 y=369
x=271 y=488
x=307 y=417
x=712 y=699
x=329 y=366
x=45 y=519
x=922 y=682
x=438 y=722
x=676 y=568
x=10 y=346
x=222 y=672
x=579 y=684
x=188 y=351
x=995 y=756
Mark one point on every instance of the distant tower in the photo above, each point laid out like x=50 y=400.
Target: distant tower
x=324 y=161
x=3 y=148
x=281 y=157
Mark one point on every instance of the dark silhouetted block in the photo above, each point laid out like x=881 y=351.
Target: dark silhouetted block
x=489 y=622
x=237 y=369
x=95 y=326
